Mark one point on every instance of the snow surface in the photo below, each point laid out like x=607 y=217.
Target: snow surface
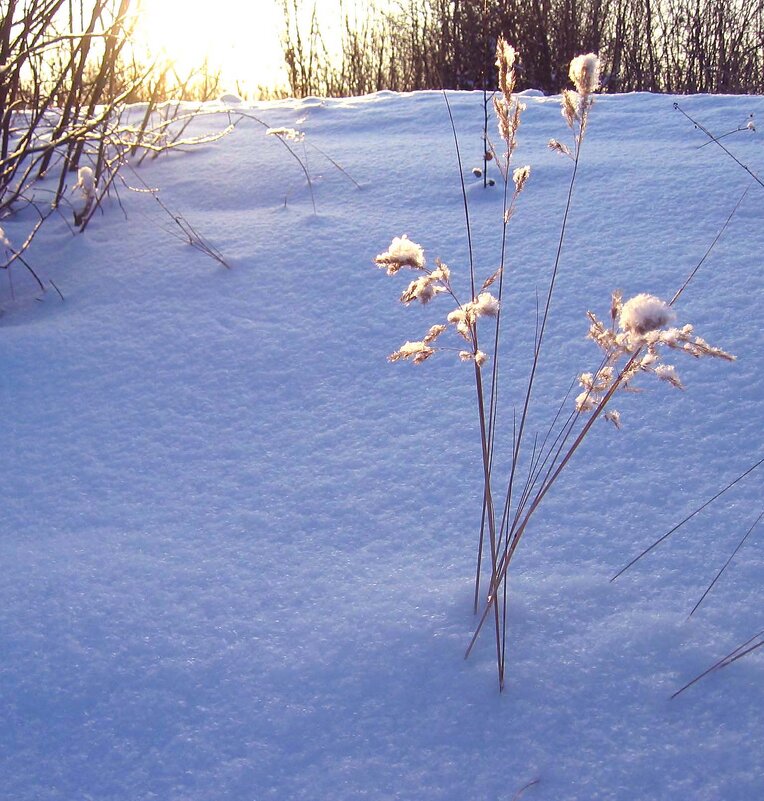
x=237 y=546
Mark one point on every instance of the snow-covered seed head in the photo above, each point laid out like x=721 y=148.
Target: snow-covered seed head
x=505 y=61
x=585 y=73
x=505 y=54
x=585 y=402
x=286 y=133
x=616 y=304
x=643 y=338
x=502 y=117
x=644 y=313
x=401 y=253
x=667 y=372
x=486 y=305
x=559 y=147
x=462 y=319
x=422 y=289
x=434 y=332
x=478 y=357
x=441 y=272
x=477 y=172
x=416 y=351
x=520 y=176
x=86 y=181
x=571 y=102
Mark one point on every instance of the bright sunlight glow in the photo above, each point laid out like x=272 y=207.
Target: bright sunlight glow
x=241 y=38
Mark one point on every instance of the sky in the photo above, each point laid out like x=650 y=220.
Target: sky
x=242 y=37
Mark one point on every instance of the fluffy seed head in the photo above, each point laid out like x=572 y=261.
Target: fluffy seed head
x=86 y=180
x=286 y=133
x=486 y=305
x=401 y=253
x=570 y=105
x=434 y=332
x=644 y=313
x=585 y=73
x=520 y=176
x=502 y=117
x=505 y=61
x=416 y=351
x=667 y=372
x=462 y=319
x=421 y=289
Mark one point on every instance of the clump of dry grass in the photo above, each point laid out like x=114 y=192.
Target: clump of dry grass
x=638 y=338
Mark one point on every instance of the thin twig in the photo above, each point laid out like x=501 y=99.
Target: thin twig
x=726 y=564
x=739 y=652
x=714 y=139
x=525 y=787
x=710 y=247
x=686 y=519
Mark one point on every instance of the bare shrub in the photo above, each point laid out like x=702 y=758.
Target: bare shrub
x=679 y=46
x=67 y=74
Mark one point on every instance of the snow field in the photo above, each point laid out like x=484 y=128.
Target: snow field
x=238 y=546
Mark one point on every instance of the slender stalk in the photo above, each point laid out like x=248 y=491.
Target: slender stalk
x=726 y=564
x=714 y=139
x=739 y=652
x=484 y=441
x=686 y=519
x=710 y=247
x=518 y=532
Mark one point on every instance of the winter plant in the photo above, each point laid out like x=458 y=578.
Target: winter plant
x=639 y=339
x=84 y=192
x=65 y=95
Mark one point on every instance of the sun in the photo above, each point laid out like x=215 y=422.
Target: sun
x=241 y=38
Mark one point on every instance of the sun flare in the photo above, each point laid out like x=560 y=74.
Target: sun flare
x=240 y=38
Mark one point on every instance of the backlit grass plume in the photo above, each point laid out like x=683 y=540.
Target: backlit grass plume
x=640 y=338
x=637 y=341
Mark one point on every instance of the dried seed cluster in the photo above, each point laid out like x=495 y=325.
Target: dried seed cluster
x=637 y=338
x=429 y=283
